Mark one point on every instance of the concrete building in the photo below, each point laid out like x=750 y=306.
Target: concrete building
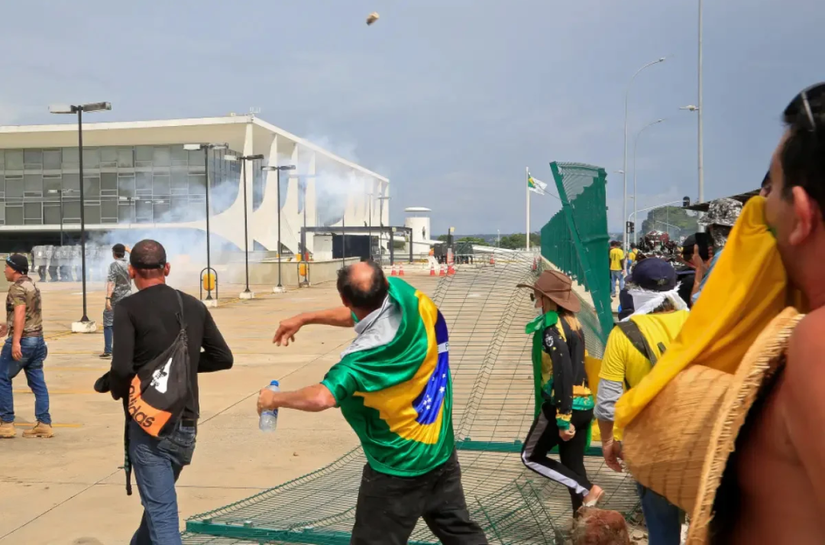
x=138 y=176
x=418 y=219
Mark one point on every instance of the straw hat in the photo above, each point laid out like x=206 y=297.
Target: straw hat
x=680 y=444
x=557 y=287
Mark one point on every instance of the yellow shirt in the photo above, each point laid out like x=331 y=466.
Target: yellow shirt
x=616 y=256
x=623 y=362
x=632 y=255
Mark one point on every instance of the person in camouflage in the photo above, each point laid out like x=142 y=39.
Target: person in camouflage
x=719 y=220
x=118 y=286
x=24 y=349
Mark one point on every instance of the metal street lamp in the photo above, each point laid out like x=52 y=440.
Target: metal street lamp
x=246 y=294
x=700 y=159
x=79 y=109
x=381 y=200
x=624 y=168
x=635 y=145
x=206 y=148
x=279 y=288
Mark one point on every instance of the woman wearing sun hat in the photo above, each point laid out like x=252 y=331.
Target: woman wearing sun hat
x=564 y=403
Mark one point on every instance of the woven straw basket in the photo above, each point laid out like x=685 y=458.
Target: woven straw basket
x=679 y=444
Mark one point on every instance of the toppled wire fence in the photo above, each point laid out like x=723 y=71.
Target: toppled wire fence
x=493 y=410
x=575 y=239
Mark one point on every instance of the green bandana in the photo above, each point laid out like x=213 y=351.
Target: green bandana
x=544 y=320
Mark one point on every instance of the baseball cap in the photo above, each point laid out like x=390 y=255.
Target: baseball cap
x=19 y=263
x=654 y=274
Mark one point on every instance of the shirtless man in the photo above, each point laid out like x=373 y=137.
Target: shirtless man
x=774 y=488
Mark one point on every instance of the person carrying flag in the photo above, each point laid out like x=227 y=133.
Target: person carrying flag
x=394 y=388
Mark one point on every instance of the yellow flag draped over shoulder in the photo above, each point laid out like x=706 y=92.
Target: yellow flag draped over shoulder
x=747 y=289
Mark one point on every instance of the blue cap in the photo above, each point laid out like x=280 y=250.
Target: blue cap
x=654 y=274
x=274 y=383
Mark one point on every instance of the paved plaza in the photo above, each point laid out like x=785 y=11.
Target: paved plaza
x=70 y=490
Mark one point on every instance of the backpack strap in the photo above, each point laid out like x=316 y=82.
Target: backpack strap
x=181 y=316
x=639 y=341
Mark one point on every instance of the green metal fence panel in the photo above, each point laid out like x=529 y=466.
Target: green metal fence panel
x=493 y=409
x=576 y=240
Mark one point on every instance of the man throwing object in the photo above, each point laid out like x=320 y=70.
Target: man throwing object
x=393 y=386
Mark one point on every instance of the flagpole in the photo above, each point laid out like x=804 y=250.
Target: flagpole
x=527 y=186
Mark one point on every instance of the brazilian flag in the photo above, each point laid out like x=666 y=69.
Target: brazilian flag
x=394 y=386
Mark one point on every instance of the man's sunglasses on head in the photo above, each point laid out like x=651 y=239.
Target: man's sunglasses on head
x=808 y=104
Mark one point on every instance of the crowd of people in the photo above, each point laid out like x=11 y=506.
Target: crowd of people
x=394 y=387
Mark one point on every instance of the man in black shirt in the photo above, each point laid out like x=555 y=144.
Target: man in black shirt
x=146 y=324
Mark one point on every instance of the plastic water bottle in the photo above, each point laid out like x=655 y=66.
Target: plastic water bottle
x=269 y=419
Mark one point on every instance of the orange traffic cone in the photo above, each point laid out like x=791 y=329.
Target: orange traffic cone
x=432 y=269
x=450 y=270
x=401 y=270
x=492 y=259
x=394 y=272
x=441 y=270
x=535 y=263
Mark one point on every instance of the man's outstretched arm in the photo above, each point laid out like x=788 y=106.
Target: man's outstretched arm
x=315 y=398
x=340 y=317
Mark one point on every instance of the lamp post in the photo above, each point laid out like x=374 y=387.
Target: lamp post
x=279 y=288
x=206 y=148
x=624 y=168
x=635 y=145
x=381 y=200
x=85 y=325
x=246 y=293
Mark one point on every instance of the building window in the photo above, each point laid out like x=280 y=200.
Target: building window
x=108 y=184
x=108 y=157
x=71 y=210
x=126 y=185
x=91 y=187
x=14 y=187
x=33 y=185
x=33 y=159
x=71 y=182
x=125 y=158
x=14 y=214
x=14 y=159
x=52 y=159
x=91 y=158
x=108 y=211
x=161 y=156
x=70 y=156
x=180 y=156
x=51 y=213
x=92 y=213
x=160 y=185
x=143 y=211
x=33 y=213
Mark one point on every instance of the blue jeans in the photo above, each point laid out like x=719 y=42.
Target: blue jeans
x=108 y=334
x=616 y=276
x=34 y=354
x=157 y=464
x=663 y=519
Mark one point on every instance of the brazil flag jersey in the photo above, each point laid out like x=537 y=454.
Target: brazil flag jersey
x=393 y=385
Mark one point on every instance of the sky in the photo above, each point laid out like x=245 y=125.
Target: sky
x=450 y=99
